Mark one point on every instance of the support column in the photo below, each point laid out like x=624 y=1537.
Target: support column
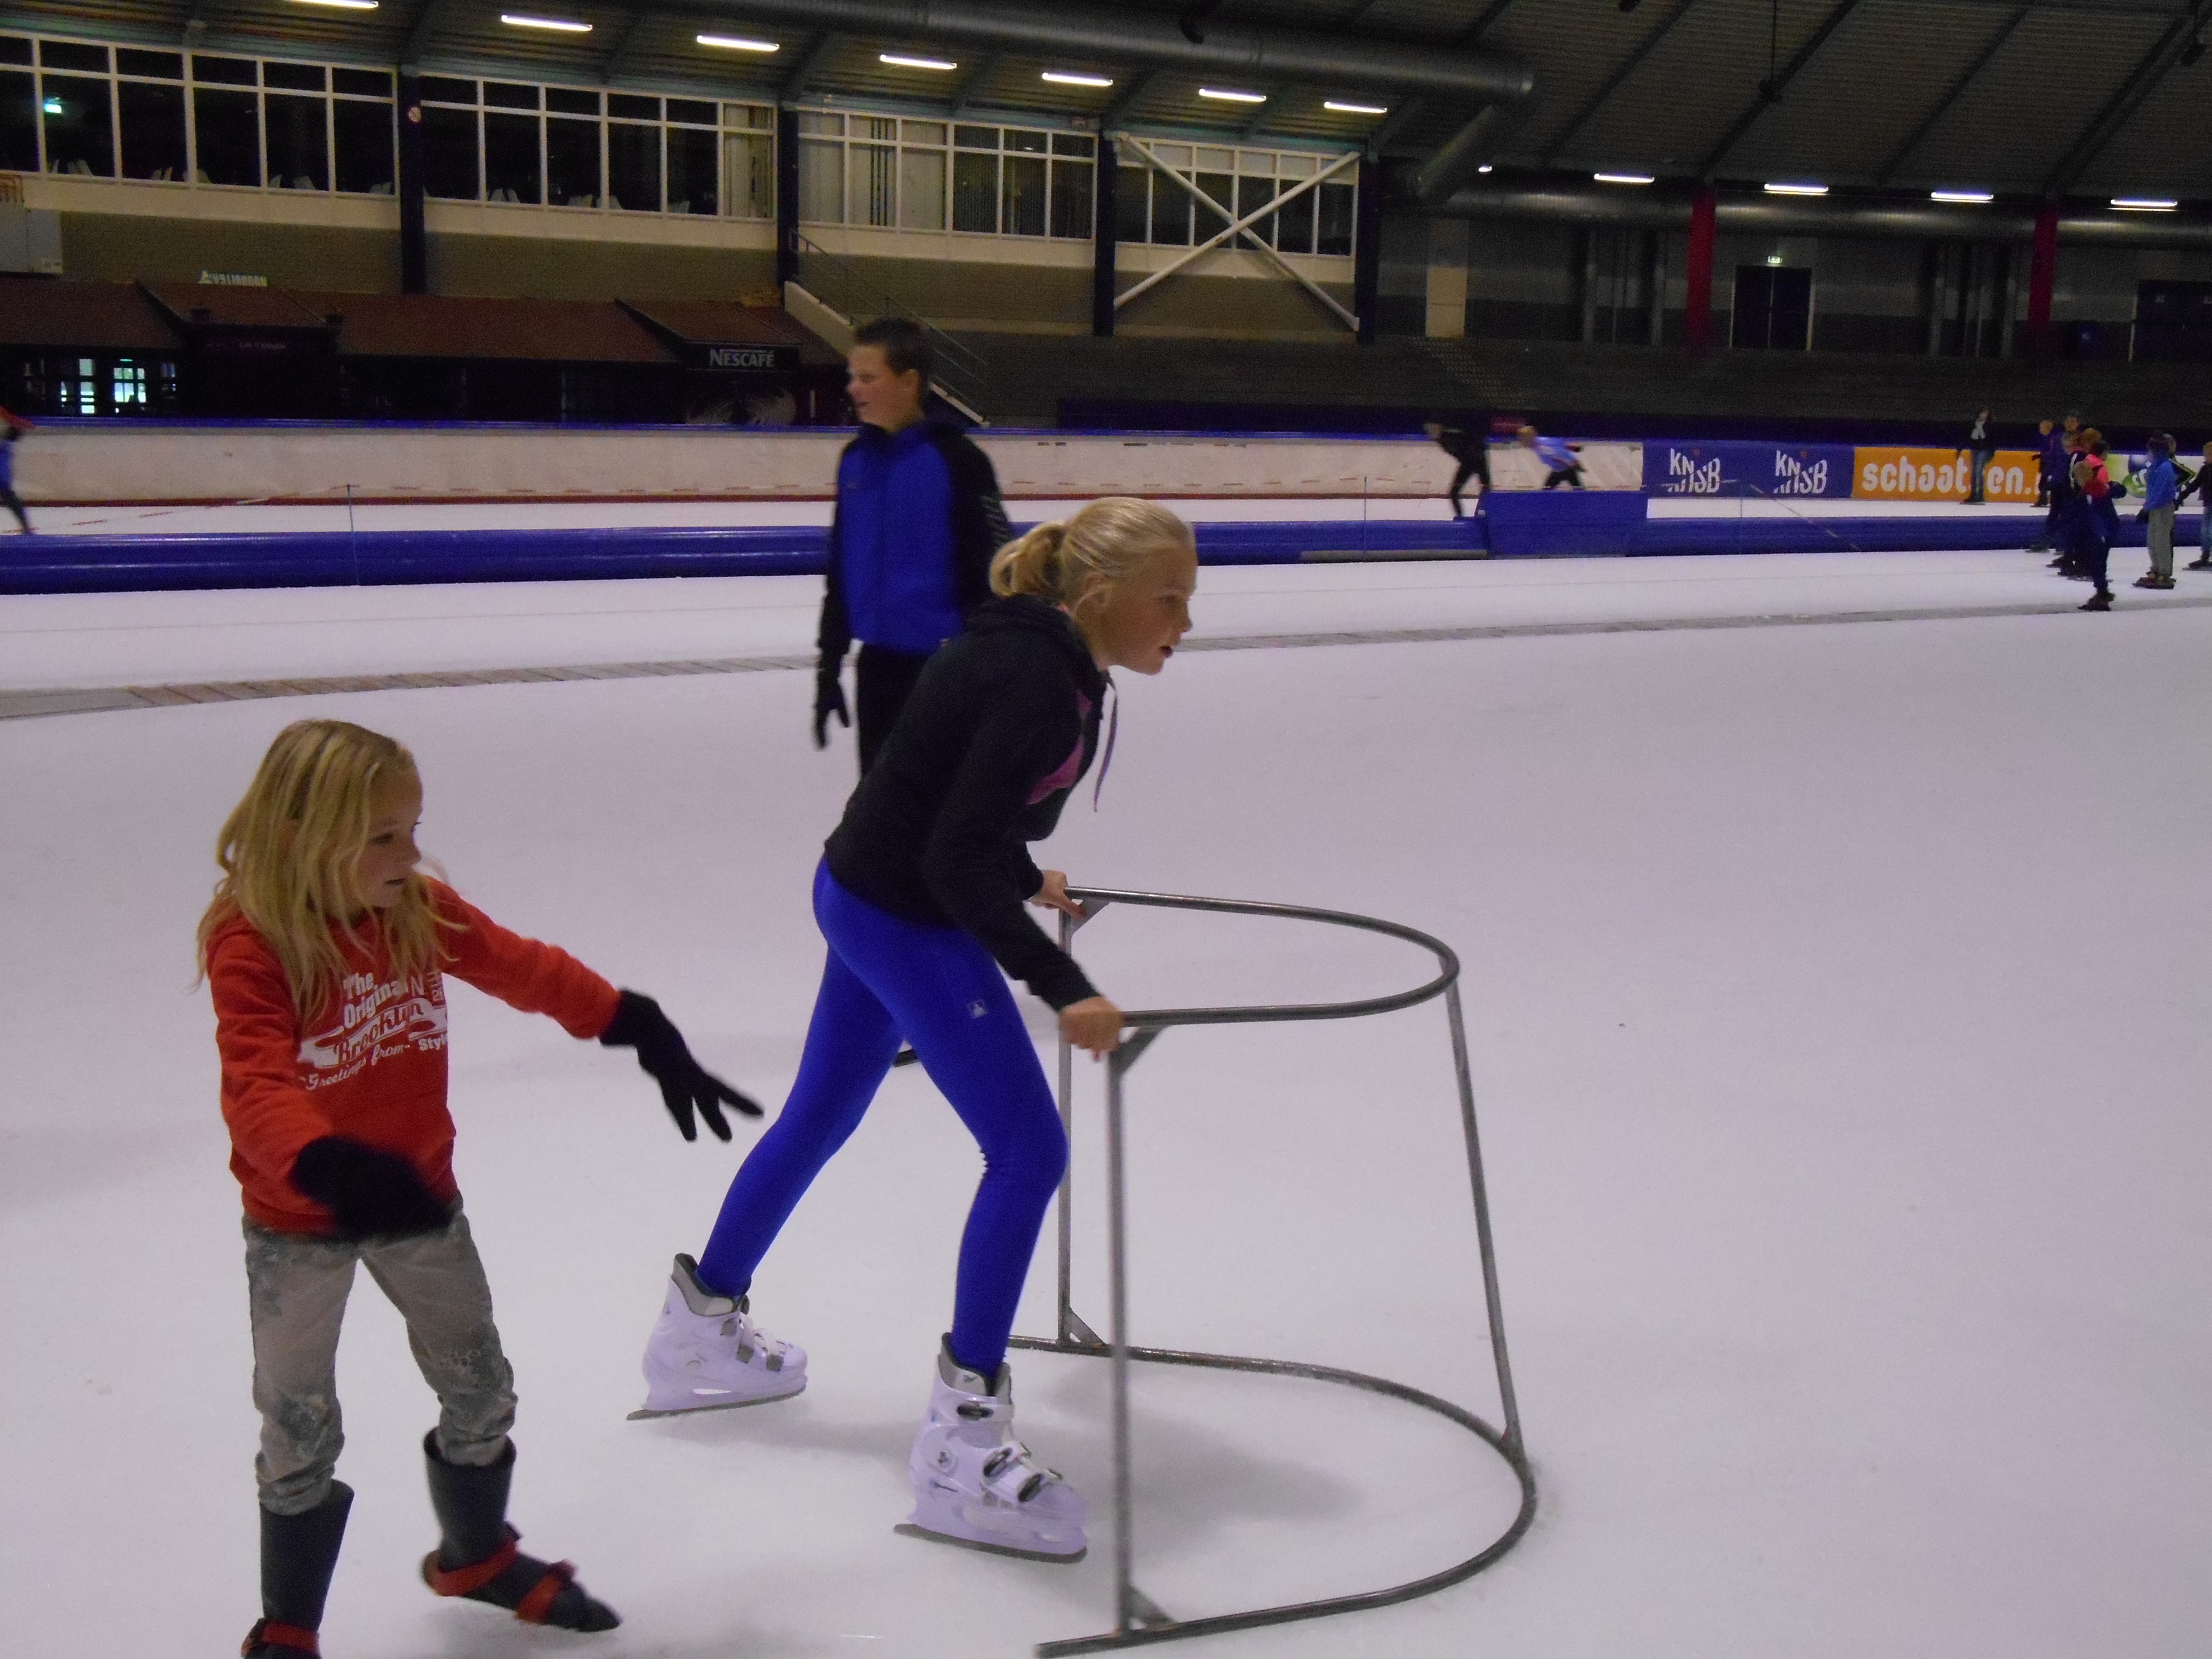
x=1658 y=292
x=1447 y=280
x=1589 y=294
x=1105 y=236
x=786 y=197
x=2042 y=278
x=1697 y=272
x=414 y=240
x=1367 y=249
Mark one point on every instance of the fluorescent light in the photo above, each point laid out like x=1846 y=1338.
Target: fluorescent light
x=1226 y=96
x=53 y=106
x=1343 y=108
x=1624 y=177
x=2144 y=204
x=343 y=5
x=517 y=20
x=899 y=60
x=1976 y=197
x=1797 y=189
x=737 y=43
x=1070 y=78
x=1774 y=259
x=1486 y=168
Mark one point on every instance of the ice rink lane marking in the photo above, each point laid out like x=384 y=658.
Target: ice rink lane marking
x=23 y=705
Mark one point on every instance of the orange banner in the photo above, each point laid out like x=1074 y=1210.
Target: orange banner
x=1941 y=475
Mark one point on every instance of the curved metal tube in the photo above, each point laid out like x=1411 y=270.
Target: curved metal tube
x=1138 y=1620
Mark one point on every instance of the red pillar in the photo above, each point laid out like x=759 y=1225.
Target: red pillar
x=2042 y=276
x=1697 y=273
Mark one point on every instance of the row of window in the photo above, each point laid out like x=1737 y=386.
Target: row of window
x=101 y=111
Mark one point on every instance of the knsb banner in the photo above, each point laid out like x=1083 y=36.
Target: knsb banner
x=1941 y=475
x=1747 y=469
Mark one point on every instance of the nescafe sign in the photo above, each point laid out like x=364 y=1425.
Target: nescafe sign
x=752 y=357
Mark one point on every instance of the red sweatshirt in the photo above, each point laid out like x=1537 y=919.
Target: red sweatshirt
x=371 y=1064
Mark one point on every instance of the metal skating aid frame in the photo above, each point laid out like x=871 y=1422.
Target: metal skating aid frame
x=1137 y=1619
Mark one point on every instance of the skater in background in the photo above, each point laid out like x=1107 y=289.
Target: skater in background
x=2060 y=448
x=920 y=894
x=12 y=428
x=2199 y=484
x=2093 y=521
x=325 y=948
x=1982 y=448
x=1564 y=466
x=1469 y=445
x=2161 y=494
x=2048 y=450
x=918 y=519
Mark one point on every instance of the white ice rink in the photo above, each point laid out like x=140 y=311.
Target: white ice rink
x=1842 y=1029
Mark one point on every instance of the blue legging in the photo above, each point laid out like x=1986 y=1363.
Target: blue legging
x=939 y=990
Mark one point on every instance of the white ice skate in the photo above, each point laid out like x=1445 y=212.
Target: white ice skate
x=975 y=1484
x=705 y=1354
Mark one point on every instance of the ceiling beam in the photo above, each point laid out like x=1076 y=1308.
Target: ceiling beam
x=1770 y=91
x=419 y=33
x=1118 y=112
x=1966 y=76
x=2104 y=125
x=977 y=73
x=1480 y=26
x=1393 y=124
x=1612 y=82
x=794 y=84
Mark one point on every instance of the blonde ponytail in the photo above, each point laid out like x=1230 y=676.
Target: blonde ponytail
x=1072 y=564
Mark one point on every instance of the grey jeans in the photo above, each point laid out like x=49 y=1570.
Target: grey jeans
x=297 y=1287
x=2160 y=522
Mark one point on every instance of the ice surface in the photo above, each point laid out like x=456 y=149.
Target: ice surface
x=1838 y=1008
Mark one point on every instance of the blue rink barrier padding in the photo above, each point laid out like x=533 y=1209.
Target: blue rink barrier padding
x=1550 y=524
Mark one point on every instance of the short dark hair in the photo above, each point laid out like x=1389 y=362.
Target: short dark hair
x=905 y=344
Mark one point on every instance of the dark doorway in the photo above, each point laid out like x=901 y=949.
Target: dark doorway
x=1773 y=308
x=2173 y=322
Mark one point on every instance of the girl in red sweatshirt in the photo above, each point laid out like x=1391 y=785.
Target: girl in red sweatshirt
x=325 y=948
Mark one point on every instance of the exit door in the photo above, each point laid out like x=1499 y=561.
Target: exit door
x=1773 y=308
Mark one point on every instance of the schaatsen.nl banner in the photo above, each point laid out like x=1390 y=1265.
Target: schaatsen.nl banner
x=1941 y=475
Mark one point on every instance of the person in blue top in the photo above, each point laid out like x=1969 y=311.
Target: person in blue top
x=11 y=428
x=1565 y=467
x=917 y=519
x=2161 y=495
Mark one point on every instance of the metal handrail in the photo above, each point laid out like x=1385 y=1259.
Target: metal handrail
x=961 y=369
x=1137 y=1619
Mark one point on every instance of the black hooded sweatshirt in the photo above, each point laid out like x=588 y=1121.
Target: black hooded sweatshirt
x=1002 y=725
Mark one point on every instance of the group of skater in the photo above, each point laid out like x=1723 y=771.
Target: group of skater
x=983 y=684
x=2075 y=486
x=1466 y=440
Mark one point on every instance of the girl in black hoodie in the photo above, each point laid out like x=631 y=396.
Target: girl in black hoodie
x=921 y=895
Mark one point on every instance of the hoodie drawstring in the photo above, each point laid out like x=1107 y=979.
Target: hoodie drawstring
x=1113 y=729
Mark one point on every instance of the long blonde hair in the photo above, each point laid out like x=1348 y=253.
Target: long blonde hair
x=1075 y=563
x=291 y=852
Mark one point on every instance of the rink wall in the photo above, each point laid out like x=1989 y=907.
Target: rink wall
x=132 y=462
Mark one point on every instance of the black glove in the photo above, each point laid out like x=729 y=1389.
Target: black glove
x=372 y=1194
x=829 y=699
x=685 y=1084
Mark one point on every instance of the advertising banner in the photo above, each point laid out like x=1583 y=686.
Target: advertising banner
x=1941 y=475
x=1747 y=469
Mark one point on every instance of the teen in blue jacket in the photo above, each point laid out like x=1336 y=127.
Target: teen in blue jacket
x=917 y=519
x=2162 y=496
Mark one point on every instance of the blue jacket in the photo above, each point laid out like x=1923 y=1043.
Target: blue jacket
x=1555 y=454
x=2161 y=484
x=918 y=521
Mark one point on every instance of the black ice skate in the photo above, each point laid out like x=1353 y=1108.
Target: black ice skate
x=298 y=1554
x=478 y=1559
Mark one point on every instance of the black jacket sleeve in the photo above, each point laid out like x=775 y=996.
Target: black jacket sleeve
x=967 y=864
x=834 y=637
x=978 y=516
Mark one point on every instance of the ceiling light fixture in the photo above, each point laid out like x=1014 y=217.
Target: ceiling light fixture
x=1344 y=108
x=1486 y=168
x=1797 y=189
x=1225 y=95
x=342 y=5
x=1071 y=78
x=1976 y=197
x=737 y=43
x=2144 y=204
x=899 y=60
x=517 y=20
x=1624 y=177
